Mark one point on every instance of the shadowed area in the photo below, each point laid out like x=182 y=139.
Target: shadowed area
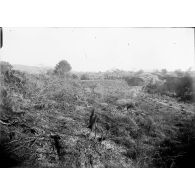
x=8 y=160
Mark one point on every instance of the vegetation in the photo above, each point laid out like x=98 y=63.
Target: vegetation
x=134 y=81
x=50 y=120
x=62 y=68
x=85 y=77
x=180 y=87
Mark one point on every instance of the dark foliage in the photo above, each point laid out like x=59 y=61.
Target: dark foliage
x=85 y=77
x=179 y=87
x=134 y=81
x=62 y=68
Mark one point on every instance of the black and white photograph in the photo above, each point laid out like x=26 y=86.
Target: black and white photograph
x=97 y=97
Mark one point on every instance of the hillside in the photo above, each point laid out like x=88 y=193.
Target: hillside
x=31 y=69
x=45 y=119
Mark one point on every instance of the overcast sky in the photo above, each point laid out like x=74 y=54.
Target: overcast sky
x=100 y=49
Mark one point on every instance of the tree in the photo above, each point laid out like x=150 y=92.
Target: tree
x=62 y=68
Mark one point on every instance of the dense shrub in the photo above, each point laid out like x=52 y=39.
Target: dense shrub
x=12 y=90
x=184 y=88
x=134 y=81
x=5 y=67
x=5 y=71
x=180 y=87
x=155 y=86
x=85 y=77
x=62 y=68
x=50 y=72
x=74 y=76
x=179 y=73
x=164 y=71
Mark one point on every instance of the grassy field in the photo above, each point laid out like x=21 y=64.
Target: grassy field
x=44 y=123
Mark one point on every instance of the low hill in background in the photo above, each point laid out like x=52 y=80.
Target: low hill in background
x=31 y=69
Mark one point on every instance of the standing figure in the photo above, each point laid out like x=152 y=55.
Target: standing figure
x=93 y=121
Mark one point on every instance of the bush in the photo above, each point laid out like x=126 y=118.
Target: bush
x=184 y=88
x=155 y=87
x=74 y=76
x=49 y=72
x=12 y=89
x=62 y=68
x=179 y=73
x=85 y=77
x=5 y=67
x=164 y=71
x=134 y=81
x=180 y=87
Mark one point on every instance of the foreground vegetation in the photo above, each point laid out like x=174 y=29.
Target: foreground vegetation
x=143 y=119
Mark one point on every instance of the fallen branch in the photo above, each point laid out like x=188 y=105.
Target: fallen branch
x=3 y=123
